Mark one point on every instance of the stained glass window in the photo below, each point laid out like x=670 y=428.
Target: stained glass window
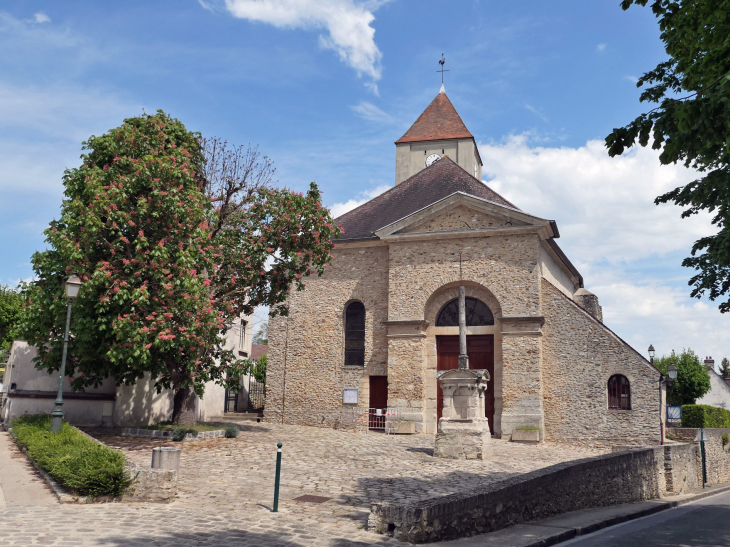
x=477 y=314
x=355 y=334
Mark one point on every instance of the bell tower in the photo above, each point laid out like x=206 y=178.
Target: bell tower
x=438 y=132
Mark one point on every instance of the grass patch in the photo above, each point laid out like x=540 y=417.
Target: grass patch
x=76 y=462
x=167 y=426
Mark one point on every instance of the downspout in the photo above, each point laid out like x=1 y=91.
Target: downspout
x=283 y=389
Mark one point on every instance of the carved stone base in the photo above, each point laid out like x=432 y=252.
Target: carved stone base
x=463 y=439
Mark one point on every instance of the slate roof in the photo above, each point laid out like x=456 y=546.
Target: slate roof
x=257 y=350
x=439 y=180
x=439 y=121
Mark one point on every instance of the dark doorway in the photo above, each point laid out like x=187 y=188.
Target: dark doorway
x=480 y=349
x=378 y=401
x=231 y=404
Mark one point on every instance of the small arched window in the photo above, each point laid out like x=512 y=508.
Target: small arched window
x=619 y=392
x=355 y=334
x=477 y=314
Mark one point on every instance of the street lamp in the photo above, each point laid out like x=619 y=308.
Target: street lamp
x=672 y=371
x=72 y=286
x=651 y=353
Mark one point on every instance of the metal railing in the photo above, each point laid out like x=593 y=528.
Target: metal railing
x=371 y=419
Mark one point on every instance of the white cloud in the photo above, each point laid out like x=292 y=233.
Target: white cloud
x=339 y=209
x=371 y=112
x=632 y=79
x=601 y=48
x=649 y=312
x=41 y=17
x=623 y=244
x=347 y=23
x=604 y=206
x=536 y=112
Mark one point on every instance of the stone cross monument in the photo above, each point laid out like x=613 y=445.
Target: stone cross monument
x=463 y=430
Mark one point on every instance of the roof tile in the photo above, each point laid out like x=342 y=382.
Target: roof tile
x=439 y=180
x=439 y=121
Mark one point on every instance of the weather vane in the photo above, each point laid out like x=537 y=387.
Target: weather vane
x=442 y=62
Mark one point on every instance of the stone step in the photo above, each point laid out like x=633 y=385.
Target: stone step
x=238 y=416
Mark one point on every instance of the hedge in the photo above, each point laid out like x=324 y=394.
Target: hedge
x=705 y=416
x=76 y=462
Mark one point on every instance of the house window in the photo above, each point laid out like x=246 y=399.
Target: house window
x=477 y=314
x=355 y=334
x=619 y=393
x=242 y=336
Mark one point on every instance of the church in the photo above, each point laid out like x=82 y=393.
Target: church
x=370 y=336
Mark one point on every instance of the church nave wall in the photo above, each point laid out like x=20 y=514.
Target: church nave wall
x=579 y=356
x=313 y=350
x=506 y=265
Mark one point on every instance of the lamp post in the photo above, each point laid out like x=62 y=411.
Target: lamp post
x=72 y=286
x=652 y=351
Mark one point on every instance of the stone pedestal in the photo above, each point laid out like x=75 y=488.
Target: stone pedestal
x=463 y=431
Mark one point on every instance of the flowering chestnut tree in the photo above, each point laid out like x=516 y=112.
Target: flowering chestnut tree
x=168 y=260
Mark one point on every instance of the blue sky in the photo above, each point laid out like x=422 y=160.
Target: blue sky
x=324 y=87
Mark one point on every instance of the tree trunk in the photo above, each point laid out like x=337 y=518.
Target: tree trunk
x=183 y=410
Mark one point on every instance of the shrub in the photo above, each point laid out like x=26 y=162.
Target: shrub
x=178 y=433
x=78 y=463
x=705 y=416
x=725 y=439
x=231 y=432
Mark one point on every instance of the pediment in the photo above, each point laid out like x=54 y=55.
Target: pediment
x=461 y=217
x=463 y=214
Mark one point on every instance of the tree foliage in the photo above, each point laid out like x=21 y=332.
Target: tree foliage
x=691 y=124
x=725 y=368
x=262 y=334
x=169 y=256
x=11 y=303
x=692 y=381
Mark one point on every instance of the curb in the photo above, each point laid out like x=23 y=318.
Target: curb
x=567 y=534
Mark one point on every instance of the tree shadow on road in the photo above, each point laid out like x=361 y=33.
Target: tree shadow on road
x=235 y=537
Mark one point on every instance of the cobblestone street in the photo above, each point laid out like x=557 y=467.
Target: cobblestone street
x=226 y=489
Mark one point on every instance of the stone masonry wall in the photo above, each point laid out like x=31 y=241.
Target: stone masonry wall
x=579 y=356
x=458 y=218
x=594 y=482
x=506 y=265
x=313 y=351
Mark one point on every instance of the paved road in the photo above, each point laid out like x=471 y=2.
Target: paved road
x=704 y=523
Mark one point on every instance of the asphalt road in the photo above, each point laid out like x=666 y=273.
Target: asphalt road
x=703 y=523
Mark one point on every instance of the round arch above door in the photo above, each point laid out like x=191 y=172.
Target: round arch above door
x=477 y=314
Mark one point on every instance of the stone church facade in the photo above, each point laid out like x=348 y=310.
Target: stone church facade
x=374 y=330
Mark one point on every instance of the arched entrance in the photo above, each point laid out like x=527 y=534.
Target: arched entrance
x=480 y=347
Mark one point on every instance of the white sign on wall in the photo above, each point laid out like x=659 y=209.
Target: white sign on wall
x=3 y=388
x=349 y=396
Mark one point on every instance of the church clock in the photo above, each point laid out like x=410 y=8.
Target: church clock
x=432 y=158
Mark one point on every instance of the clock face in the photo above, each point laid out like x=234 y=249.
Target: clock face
x=432 y=158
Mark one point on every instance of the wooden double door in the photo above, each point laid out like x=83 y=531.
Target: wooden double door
x=480 y=349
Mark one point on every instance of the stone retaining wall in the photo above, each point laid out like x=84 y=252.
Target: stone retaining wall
x=594 y=482
x=134 y=432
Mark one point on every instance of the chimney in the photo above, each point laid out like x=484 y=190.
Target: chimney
x=709 y=363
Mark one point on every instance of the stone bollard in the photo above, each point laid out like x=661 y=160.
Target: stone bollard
x=166 y=457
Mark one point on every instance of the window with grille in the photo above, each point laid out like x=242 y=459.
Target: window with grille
x=619 y=392
x=355 y=334
x=477 y=314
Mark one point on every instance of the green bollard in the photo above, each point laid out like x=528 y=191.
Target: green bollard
x=278 y=476
x=704 y=464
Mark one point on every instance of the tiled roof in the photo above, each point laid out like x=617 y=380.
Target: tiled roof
x=439 y=121
x=439 y=180
x=257 y=350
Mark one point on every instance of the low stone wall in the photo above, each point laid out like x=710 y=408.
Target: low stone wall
x=681 y=468
x=593 y=482
x=135 y=432
x=151 y=485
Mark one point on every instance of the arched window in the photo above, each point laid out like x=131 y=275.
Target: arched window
x=477 y=314
x=619 y=392
x=355 y=334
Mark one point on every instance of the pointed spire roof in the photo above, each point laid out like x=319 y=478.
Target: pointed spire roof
x=439 y=121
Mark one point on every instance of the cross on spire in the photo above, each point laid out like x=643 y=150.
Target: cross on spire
x=442 y=62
